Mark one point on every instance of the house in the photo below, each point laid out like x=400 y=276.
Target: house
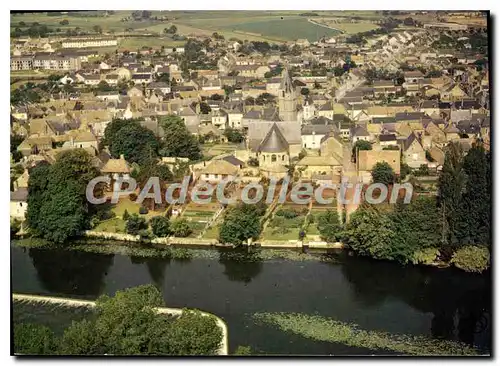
x=19 y=203
x=142 y=78
x=252 y=71
x=366 y=160
x=82 y=139
x=218 y=170
x=312 y=135
x=320 y=168
x=359 y=132
x=35 y=145
x=163 y=87
x=389 y=139
x=91 y=79
x=116 y=169
x=413 y=151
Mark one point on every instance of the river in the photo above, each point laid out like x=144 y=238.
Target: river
x=442 y=303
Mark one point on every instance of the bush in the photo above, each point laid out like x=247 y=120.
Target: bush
x=33 y=339
x=243 y=351
x=425 y=256
x=132 y=196
x=287 y=214
x=472 y=258
x=181 y=228
x=160 y=226
x=143 y=210
x=135 y=224
x=126 y=215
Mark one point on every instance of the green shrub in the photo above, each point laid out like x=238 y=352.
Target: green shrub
x=126 y=215
x=425 y=256
x=287 y=214
x=472 y=258
x=181 y=228
x=135 y=224
x=243 y=351
x=160 y=226
x=33 y=339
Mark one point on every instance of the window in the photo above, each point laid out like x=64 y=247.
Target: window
x=216 y=176
x=273 y=158
x=282 y=157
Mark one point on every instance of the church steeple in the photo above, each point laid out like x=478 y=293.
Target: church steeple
x=287 y=99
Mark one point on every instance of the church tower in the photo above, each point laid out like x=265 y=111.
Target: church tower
x=287 y=100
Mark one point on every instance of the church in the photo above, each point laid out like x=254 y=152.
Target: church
x=275 y=141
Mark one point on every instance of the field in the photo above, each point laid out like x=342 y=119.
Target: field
x=273 y=26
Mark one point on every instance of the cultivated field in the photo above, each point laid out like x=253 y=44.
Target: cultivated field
x=273 y=26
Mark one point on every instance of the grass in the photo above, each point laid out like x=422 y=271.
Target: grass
x=132 y=208
x=212 y=233
x=275 y=235
x=217 y=149
x=330 y=330
x=287 y=29
x=114 y=225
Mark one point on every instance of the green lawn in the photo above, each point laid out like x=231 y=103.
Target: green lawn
x=114 y=225
x=212 y=233
x=273 y=234
x=284 y=28
x=132 y=208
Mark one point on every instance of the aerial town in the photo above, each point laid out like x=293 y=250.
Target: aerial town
x=396 y=98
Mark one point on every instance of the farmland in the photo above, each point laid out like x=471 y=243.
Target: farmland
x=272 y=26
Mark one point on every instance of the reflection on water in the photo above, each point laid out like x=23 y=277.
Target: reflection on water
x=443 y=303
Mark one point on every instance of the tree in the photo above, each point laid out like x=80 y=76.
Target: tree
x=205 y=108
x=475 y=213
x=304 y=91
x=329 y=226
x=170 y=30
x=57 y=205
x=64 y=22
x=233 y=135
x=371 y=232
x=163 y=77
x=97 y=29
x=177 y=140
x=240 y=224
x=180 y=228
x=33 y=339
x=128 y=324
x=160 y=226
x=265 y=98
x=360 y=145
x=404 y=171
x=472 y=258
x=451 y=184
x=103 y=86
x=383 y=173
x=135 y=224
x=136 y=143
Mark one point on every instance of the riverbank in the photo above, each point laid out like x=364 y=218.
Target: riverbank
x=181 y=253
x=187 y=249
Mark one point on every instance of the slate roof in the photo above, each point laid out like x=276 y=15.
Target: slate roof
x=21 y=195
x=274 y=141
